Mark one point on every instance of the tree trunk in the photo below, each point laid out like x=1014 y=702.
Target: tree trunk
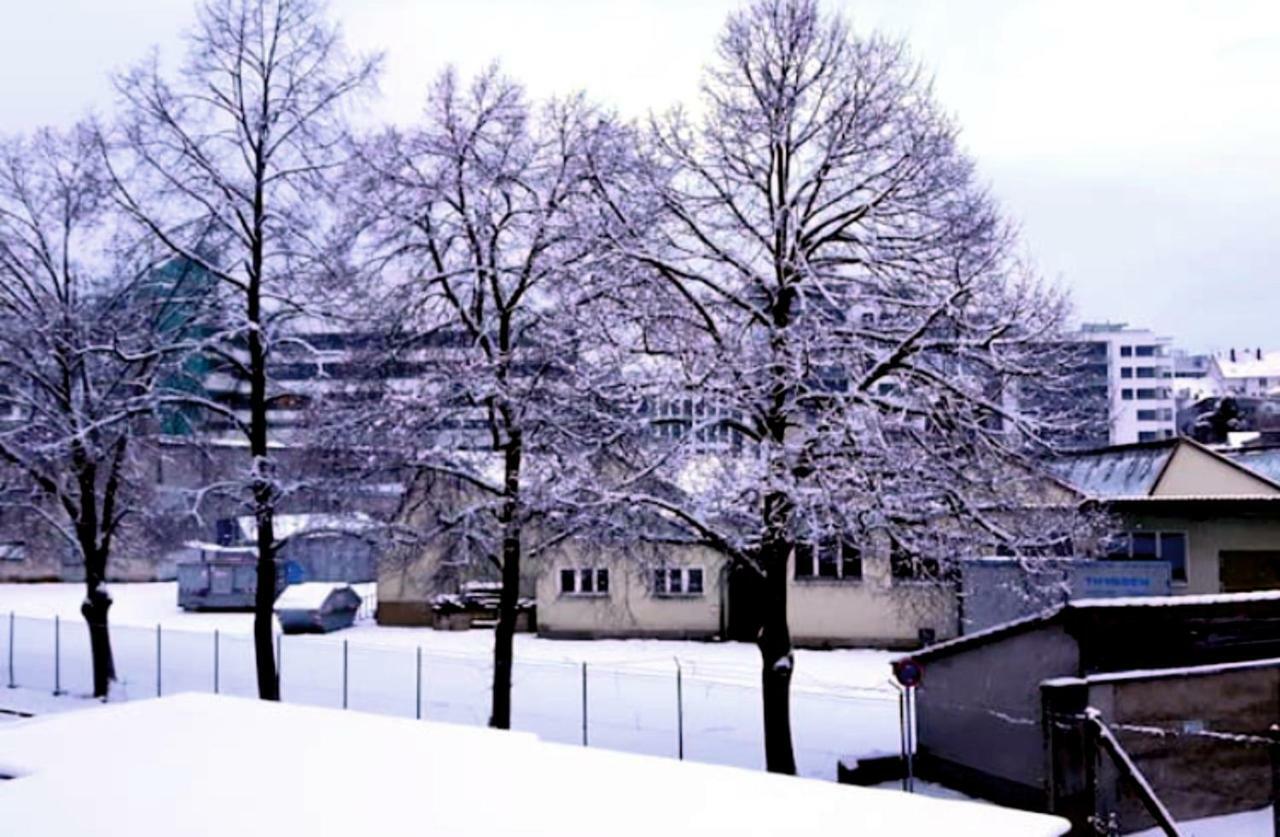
x=94 y=609
x=263 y=609
x=504 y=633
x=777 y=659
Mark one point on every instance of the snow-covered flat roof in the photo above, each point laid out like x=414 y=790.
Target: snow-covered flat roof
x=308 y=595
x=1171 y=601
x=209 y=765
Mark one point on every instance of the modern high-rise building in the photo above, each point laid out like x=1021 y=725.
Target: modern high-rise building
x=1138 y=366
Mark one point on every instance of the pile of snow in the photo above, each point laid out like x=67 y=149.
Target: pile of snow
x=200 y=764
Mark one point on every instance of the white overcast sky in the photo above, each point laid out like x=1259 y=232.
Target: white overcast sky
x=1136 y=143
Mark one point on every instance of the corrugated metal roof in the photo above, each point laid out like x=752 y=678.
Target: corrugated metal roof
x=1264 y=461
x=1125 y=471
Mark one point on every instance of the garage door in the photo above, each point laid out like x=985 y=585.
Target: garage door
x=1243 y=570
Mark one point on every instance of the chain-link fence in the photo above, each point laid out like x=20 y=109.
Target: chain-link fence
x=684 y=710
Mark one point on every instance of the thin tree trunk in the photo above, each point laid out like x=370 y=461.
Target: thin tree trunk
x=504 y=634
x=94 y=609
x=777 y=659
x=264 y=514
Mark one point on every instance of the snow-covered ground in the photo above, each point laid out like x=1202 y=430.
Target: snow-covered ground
x=1248 y=824
x=200 y=765
x=842 y=704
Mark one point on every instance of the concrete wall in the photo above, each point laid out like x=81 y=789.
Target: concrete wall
x=978 y=712
x=1195 y=776
x=875 y=611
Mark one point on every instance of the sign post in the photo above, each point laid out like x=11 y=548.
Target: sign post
x=909 y=673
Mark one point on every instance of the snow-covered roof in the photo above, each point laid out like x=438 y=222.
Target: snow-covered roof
x=1177 y=601
x=1264 y=461
x=272 y=768
x=1056 y=612
x=309 y=595
x=290 y=525
x=1248 y=364
x=1121 y=471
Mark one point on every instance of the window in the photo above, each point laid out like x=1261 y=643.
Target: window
x=13 y=551
x=1152 y=546
x=677 y=581
x=839 y=560
x=1126 y=351
x=1148 y=435
x=1127 y=394
x=1147 y=351
x=1150 y=394
x=1126 y=371
x=906 y=566
x=1146 y=372
x=1173 y=548
x=587 y=581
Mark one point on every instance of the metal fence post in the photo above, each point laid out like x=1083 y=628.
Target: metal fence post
x=679 y=710
x=57 y=655
x=215 y=661
x=13 y=684
x=417 y=687
x=1273 y=750
x=584 y=704
x=159 y=661
x=344 y=674
x=279 y=667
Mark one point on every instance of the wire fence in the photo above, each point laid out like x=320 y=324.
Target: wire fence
x=703 y=712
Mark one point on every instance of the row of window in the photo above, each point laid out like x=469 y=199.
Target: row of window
x=1141 y=351
x=1157 y=394
x=667 y=581
x=1143 y=372
x=829 y=558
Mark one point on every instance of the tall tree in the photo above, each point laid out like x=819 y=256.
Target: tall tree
x=836 y=317
x=86 y=330
x=232 y=166
x=483 y=233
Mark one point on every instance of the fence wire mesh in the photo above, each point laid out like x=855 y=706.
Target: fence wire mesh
x=714 y=716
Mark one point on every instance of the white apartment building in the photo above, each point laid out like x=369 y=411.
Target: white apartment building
x=1249 y=372
x=1139 y=371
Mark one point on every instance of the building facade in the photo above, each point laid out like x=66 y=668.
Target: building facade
x=1139 y=369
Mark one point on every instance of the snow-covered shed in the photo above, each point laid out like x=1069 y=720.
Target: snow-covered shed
x=980 y=713
x=317 y=607
x=202 y=764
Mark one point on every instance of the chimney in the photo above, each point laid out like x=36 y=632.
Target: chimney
x=1233 y=355
x=1258 y=353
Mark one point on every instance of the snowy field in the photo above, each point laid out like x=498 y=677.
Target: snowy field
x=842 y=704
x=353 y=773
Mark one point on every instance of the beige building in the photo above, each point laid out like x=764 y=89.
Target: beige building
x=836 y=597
x=1214 y=520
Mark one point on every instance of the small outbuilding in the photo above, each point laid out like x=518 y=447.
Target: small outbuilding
x=317 y=607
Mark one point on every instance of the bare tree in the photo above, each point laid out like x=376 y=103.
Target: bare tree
x=835 y=316
x=483 y=235
x=231 y=167
x=86 y=332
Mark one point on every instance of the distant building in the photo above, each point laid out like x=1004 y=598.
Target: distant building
x=1191 y=381
x=1138 y=367
x=1251 y=372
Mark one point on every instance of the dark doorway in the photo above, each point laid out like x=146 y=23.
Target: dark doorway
x=1240 y=571
x=745 y=591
